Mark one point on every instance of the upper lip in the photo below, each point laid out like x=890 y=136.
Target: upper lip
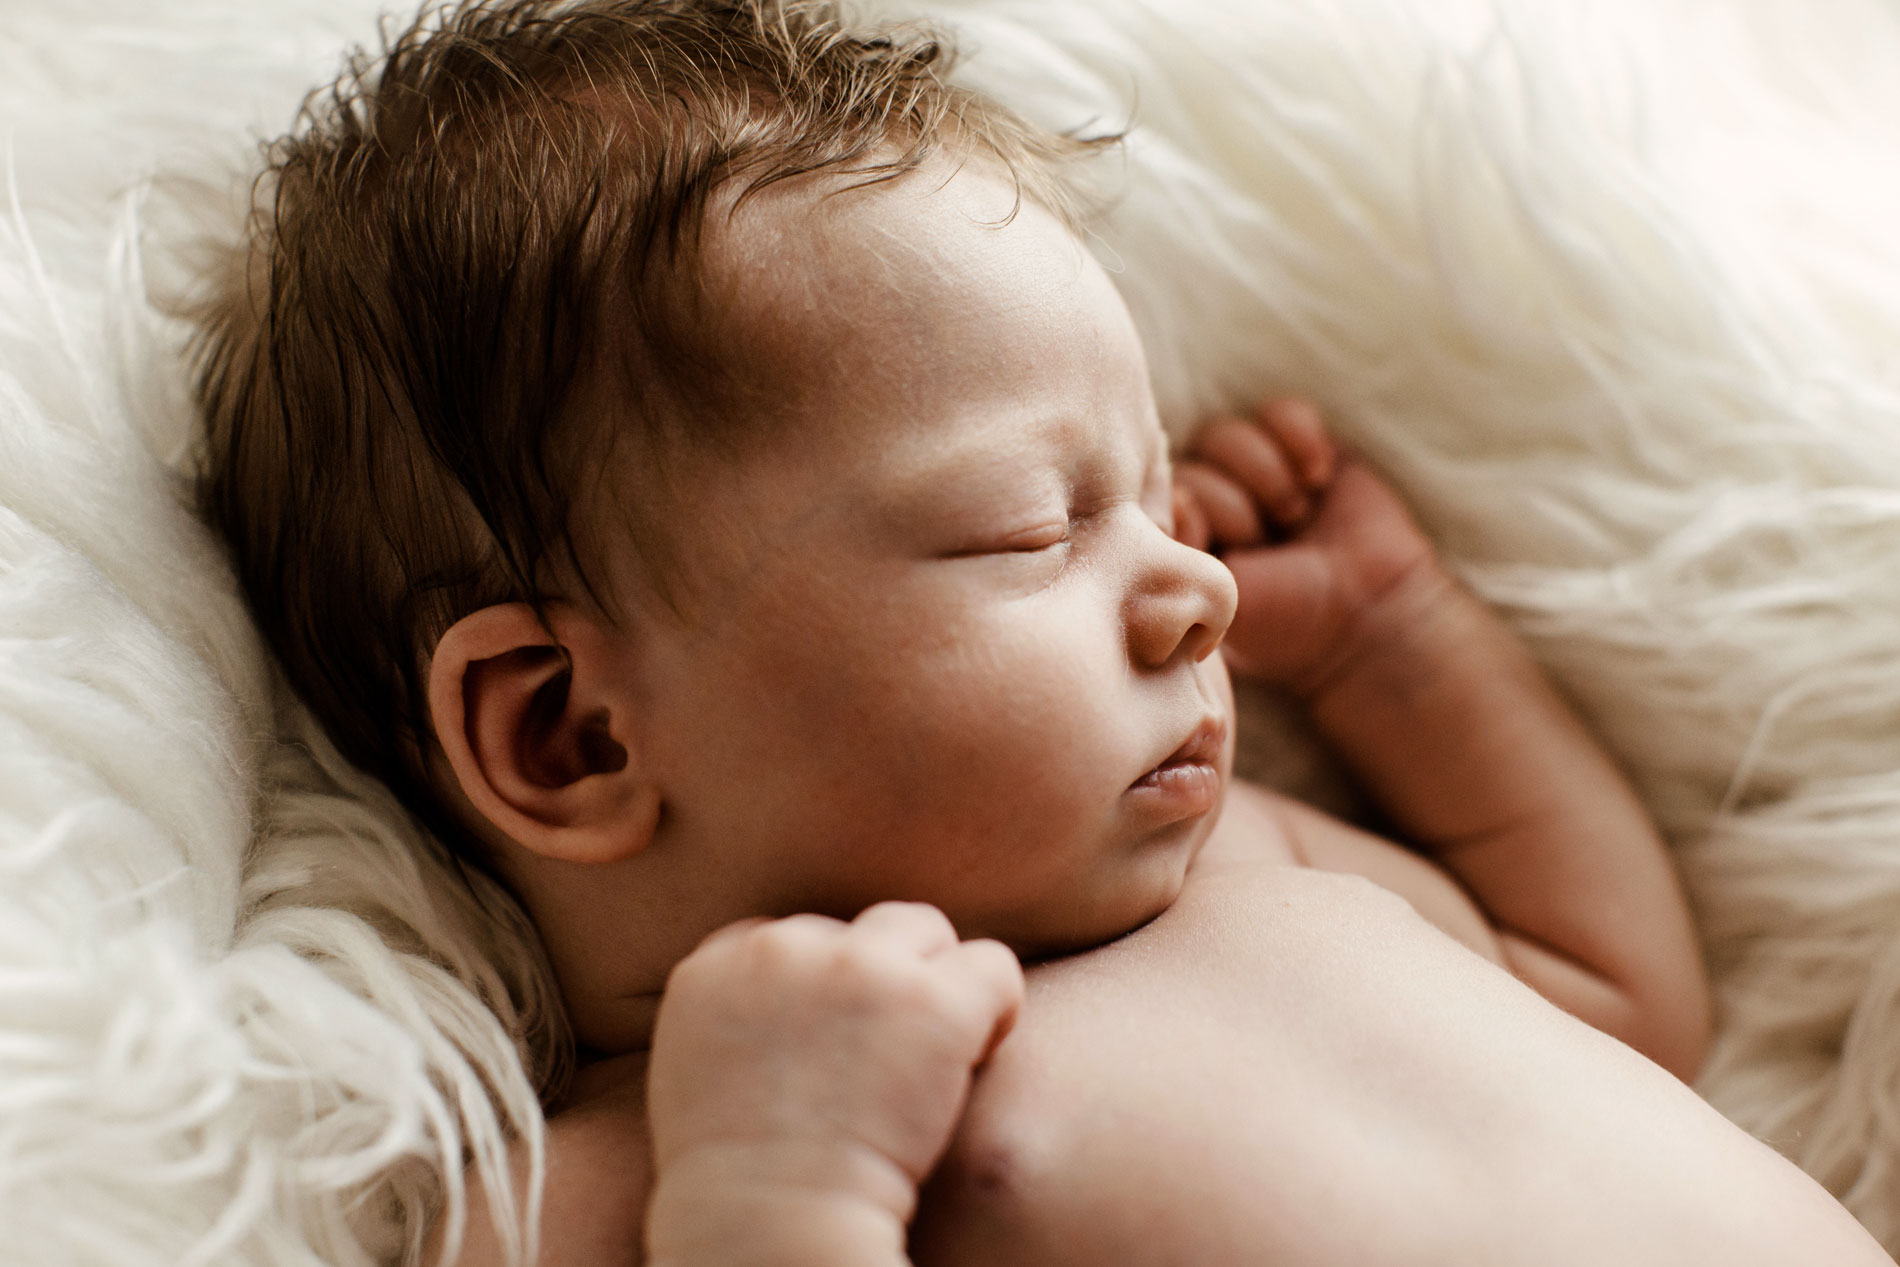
x=1203 y=744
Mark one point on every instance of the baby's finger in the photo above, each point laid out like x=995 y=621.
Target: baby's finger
x=915 y=926
x=1297 y=425
x=995 y=977
x=1231 y=515
x=1190 y=521
x=1253 y=459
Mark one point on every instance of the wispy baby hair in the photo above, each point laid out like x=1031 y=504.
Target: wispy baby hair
x=463 y=248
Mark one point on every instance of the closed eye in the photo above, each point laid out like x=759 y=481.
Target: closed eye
x=1043 y=537
x=1030 y=540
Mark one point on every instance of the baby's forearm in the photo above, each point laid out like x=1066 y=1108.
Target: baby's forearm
x=1454 y=729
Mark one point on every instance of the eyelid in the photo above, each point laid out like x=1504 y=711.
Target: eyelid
x=1045 y=536
x=1041 y=537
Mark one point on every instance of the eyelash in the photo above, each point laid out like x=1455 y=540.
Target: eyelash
x=1039 y=539
x=1050 y=536
x=1036 y=544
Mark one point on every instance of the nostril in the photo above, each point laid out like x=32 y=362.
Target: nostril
x=1203 y=640
x=1173 y=628
x=1180 y=605
x=1222 y=598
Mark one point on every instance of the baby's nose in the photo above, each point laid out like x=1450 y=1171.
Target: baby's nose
x=1180 y=605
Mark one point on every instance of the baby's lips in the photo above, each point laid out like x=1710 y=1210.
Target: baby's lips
x=1175 y=792
x=1203 y=746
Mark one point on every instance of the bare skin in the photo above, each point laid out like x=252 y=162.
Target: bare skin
x=1544 y=859
x=1289 y=1067
x=965 y=618
x=774 y=1140
x=1377 y=1075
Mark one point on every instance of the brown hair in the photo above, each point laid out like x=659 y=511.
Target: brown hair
x=391 y=376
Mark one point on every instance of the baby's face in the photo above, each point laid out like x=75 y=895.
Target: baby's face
x=937 y=639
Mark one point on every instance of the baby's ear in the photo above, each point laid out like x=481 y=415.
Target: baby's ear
x=539 y=732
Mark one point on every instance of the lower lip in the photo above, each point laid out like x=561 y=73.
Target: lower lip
x=1183 y=789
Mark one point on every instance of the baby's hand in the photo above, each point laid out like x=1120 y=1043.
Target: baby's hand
x=1313 y=537
x=806 y=1077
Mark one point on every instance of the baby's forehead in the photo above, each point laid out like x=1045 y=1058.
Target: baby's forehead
x=819 y=285
x=897 y=346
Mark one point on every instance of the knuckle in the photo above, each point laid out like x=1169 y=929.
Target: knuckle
x=890 y=982
x=771 y=948
x=793 y=940
x=995 y=956
x=916 y=913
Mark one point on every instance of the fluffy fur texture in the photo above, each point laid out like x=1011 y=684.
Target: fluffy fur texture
x=1610 y=290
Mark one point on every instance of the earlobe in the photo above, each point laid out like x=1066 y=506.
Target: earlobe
x=539 y=733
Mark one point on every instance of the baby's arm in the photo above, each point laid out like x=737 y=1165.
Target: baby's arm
x=1449 y=724
x=805 y=1076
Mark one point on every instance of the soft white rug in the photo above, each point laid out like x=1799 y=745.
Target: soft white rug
x=1613 y=291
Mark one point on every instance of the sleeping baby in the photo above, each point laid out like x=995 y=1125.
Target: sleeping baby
x=685 y=449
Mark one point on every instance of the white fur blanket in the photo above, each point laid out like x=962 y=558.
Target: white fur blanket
x=1613 y=292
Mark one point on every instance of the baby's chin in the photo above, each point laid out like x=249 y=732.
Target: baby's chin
x=1147 y=886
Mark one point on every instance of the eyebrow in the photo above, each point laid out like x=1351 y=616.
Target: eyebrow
x=1019 y=459
x=1006 y=449
x=954 y=482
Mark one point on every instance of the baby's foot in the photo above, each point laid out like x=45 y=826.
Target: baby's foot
x=1314 y=539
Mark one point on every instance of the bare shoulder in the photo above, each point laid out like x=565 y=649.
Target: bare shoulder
x=1312 y=838
x=1191 y=1083
x=1291 y=1067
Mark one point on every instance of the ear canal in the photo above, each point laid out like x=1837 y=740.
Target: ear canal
x=601 y=753
x=561 y=749
x=543 y=738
